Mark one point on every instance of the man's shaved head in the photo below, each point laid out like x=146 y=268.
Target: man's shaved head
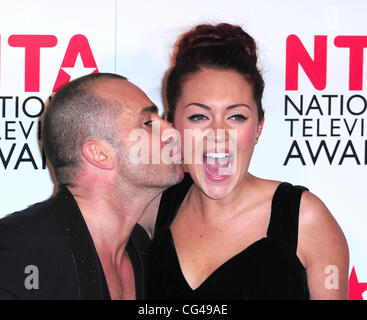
x=76 y=114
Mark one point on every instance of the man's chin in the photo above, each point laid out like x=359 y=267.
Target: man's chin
x=181 y=173
x=174 y=177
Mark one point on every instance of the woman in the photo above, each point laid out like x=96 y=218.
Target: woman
x=222 y=232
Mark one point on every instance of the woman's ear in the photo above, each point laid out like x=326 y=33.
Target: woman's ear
x=99 y=154
x=260 y=127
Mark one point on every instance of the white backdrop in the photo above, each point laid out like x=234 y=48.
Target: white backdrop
x=43 y=45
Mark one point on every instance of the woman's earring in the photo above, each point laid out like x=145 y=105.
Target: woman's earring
x=257 y=140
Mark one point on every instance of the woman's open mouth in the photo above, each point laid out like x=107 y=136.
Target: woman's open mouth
x=217 y=165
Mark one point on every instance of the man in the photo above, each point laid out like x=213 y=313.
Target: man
x=84 y=242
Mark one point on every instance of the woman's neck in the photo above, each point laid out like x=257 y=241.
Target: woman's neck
x=217 y=211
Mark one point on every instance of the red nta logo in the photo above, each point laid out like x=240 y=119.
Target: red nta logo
x=316 y=68
x=78 y=55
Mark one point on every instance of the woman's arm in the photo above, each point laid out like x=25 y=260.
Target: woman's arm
x=323 y=249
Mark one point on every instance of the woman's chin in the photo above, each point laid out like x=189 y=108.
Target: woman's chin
x=214 y=186
x=216 y=194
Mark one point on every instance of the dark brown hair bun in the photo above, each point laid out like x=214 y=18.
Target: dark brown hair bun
x=223 y=34
x=223 y=47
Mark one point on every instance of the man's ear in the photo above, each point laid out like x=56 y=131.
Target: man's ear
x=99 y=154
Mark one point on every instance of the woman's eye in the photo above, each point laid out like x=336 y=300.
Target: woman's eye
x=197 y=117
x=238 y=117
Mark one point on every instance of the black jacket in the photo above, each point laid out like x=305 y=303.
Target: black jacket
x=46 y=252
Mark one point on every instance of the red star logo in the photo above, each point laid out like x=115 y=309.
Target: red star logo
x=356 y=288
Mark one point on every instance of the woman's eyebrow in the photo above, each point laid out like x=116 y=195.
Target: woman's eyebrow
x=198 y=105
x=238 y=105
x=208 y=108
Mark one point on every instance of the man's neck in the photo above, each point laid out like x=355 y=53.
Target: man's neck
x=110 y=221
x=112 y=216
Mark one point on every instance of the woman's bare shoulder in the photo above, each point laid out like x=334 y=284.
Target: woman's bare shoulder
x=322 y=246
x=316 y=217
x=317 y=226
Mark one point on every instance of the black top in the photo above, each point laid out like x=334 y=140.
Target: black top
x=52 y=237
x=267 y=269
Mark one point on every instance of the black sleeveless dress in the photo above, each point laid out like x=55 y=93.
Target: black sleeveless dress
x=267 y=269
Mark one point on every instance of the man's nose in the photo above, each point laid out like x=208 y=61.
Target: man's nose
x=168 y=133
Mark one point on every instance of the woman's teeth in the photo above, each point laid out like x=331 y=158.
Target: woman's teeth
x=217 y=155
x=217 y=163
x=220 y=157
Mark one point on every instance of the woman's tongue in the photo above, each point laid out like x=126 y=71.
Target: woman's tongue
x=216 y=166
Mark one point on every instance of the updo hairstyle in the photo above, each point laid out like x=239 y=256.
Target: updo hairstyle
x=222 y=47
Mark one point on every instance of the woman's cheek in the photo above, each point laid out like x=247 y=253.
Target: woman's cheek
x=246 y=139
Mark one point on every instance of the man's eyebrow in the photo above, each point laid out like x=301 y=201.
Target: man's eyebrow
x=151 y=109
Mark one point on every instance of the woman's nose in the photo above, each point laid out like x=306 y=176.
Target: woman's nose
x=220 y=130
